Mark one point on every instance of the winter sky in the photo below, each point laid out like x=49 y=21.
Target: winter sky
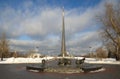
x=31 y=23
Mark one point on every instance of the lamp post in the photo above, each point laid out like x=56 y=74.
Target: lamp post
x=90 y=49
x=1 y=54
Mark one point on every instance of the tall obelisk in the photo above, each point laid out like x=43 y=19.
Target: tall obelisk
x=63 y=44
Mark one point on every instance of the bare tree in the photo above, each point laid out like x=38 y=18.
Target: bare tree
x=4 y=47
x=15 y=54
x=111 y=27
x=30 y=53
x=101 y=53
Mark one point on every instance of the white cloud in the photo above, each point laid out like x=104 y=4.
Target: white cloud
x=44 y=22
x=43 y=26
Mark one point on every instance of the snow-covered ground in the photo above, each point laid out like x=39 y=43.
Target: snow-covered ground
x=102 y=61
x=23 y=60
x=38 y=60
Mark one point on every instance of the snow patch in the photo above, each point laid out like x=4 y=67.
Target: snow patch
x=103 y=69
x=38 y=60
x=24 y=60
x=102 y=61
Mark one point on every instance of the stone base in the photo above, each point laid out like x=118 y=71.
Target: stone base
x=40 y=69
x=91 y=68
x=64 y=70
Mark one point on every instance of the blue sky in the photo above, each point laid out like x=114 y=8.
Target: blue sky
x=31 y=23
x=66 y=3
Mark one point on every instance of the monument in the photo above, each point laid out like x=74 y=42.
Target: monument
x=63 y=44
x=63 y=60
x=64 y=63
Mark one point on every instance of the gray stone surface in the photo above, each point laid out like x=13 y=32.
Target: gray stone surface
x=18 y=71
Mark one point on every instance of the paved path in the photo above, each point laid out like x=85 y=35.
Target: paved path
x=18 y=71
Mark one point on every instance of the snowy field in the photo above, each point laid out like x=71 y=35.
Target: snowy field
x=23 y=60
x=38 y=60
x=102 y=61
